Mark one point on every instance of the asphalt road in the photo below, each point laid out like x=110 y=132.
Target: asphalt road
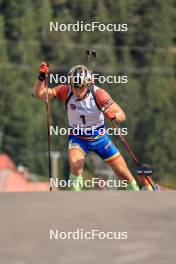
x=148 y=218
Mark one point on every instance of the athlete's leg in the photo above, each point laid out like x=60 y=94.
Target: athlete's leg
x=121 y=170
x=76 y=154
x=76 y=160
x=111 y=155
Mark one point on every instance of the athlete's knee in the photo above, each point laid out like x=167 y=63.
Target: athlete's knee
x=77 y=165
x=76 y=161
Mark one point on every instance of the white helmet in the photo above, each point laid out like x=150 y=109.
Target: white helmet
x=79 y=76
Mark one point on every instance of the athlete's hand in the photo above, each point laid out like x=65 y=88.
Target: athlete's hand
x=43 y=71
x=110 y=114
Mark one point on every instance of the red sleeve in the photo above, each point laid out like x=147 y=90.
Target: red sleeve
x=61 y=92
x=103 y=98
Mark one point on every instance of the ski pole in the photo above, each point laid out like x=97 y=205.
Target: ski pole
x=48 y=131
x=132 y=154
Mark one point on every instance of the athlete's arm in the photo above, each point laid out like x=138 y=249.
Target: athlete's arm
x=111 y=109
x=39 y=89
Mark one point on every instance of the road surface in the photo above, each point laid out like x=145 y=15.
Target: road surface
x=148 y=218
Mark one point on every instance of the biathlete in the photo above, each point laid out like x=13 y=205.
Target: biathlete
x=87 y=105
